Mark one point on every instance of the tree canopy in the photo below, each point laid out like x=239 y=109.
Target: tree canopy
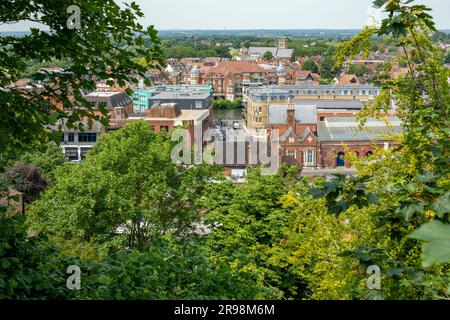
x=102 y=48
x=140 y=226
x=310 y=65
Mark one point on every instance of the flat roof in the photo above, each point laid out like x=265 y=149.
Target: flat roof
x=103 y=94
x=181 y=95
x=184 y=115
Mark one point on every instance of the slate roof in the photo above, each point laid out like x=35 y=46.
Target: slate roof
x=276 y=52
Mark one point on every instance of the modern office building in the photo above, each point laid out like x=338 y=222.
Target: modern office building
x=143 y=98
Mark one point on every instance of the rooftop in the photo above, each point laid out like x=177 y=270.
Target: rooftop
x=276 y=52
x=338 y=129
x=184 y=115
x=194 y=95
x=233 y=67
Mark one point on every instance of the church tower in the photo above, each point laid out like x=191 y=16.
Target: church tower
x=282 y=43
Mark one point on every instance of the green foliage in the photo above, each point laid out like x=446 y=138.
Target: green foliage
x=268 y=56
x=47 y=156
x=310 y=65
x=227 y=104
x=189 y=50
x=29 y=267
x=407 y=186
x=169 y=271
x=440 y=36
x=447 y=57
x=311 y=47
x=437 y=249
x=358 y=69
x=104 y=48
x=128 y=180
x=26 y=179
x=327 y=68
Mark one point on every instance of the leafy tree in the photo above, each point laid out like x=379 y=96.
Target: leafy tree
x=409 y=183
x=103 y=48
x=29 y=267
x=167 y=270
x=128 y=181
x=358 y=69
x=227 y=104
x=310 y=65
x=447 y=57
x=268 y=56
x=327 y=68
x=47 y=157
x=26 y=179
x=249 y=220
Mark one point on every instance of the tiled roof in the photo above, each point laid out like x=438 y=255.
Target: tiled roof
x=348 y=79
x=303 y=74
x=233 y=67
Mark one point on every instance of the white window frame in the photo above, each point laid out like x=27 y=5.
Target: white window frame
x=309 y=154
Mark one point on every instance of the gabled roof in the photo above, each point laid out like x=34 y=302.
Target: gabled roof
x=303 y=75
x=287 y=134
x=348 y=79
x=305 y=134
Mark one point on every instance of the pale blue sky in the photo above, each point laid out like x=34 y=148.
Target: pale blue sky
x=269 y=14
x=262 y=14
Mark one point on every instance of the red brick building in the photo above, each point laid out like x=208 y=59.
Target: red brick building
x=308 y=142
x=227 y=77
x=297 y=130
x=167 y=116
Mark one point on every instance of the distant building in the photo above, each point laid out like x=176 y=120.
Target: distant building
x=228 y=77
x=346 y=80
x=112 y=102
x=167 y=116
x=143 y=98
x=75 y=144
x=328 y=99
x=187 y=100
x=281 y=53
x=335 y=132
x=308 y=143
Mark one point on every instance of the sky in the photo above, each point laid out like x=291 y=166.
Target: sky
x=261 y=14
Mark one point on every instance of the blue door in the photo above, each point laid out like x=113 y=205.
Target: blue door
x=340 y=162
